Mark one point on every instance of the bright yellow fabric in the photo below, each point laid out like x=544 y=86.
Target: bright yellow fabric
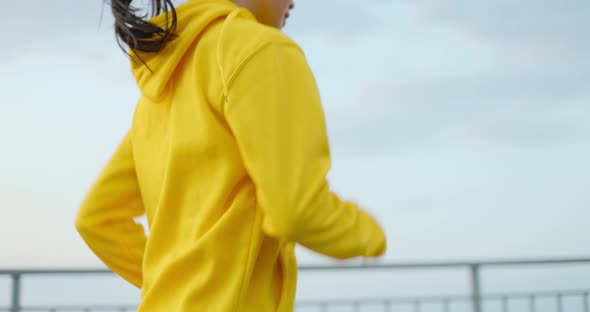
x=227 y=156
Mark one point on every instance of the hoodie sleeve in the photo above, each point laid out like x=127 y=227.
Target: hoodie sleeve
x=273 y=109
x=106 y=219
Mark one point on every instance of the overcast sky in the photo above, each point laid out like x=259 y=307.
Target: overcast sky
x=464 y=126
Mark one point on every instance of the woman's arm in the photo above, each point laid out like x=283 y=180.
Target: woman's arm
x=106 y=219
x=274 y=111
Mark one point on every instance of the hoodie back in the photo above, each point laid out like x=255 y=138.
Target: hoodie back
x=227 y=156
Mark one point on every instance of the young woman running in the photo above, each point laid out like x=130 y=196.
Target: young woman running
x=227 y=155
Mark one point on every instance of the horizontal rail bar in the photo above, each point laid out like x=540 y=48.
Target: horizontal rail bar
x=541 y=294
x=457 y=264
x=56 y=271
x=349 y=302
x=450 y=298
x=74 y=308
x=401 y=265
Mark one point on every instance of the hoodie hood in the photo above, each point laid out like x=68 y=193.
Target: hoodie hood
x=194 y=17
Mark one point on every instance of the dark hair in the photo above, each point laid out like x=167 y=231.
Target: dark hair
x=133 y=29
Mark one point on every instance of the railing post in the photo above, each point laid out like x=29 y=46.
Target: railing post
x=446 y=305
x=16 y=288
x=505 y=304
x=356 y=307
x=475 y=288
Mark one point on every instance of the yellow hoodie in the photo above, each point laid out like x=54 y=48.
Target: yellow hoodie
x=227 y=156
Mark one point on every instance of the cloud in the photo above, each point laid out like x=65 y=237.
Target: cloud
x=501 y=72
x=40 y=23
x=339 y=20
x=508 y=19
x=519 y=110
x=539 y=27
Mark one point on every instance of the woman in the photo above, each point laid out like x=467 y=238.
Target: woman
x=227 y=155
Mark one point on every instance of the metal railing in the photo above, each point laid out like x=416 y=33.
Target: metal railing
x=475 y=299
x=445 y=303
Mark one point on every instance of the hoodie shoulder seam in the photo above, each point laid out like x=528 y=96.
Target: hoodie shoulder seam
x=247 y=59
x=252 y=54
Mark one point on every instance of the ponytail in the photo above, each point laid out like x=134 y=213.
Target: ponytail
x=134 y=30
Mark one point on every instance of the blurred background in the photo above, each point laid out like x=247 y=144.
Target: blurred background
x=464 y=126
